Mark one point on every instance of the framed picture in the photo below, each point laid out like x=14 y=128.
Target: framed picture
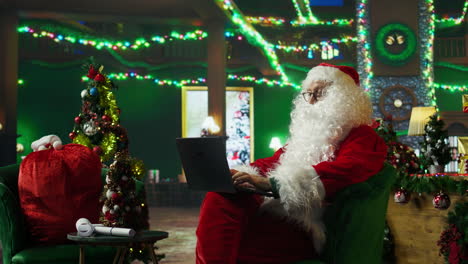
x=239 y=119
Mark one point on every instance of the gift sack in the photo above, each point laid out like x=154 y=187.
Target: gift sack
x=56 y=188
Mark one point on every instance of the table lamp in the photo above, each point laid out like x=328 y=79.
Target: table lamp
x=419 y=118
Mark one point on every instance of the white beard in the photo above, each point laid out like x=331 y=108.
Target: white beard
x=317 y=130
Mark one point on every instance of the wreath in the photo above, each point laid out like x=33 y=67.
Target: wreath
x=395 y=34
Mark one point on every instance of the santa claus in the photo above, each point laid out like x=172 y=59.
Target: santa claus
x=330 y=146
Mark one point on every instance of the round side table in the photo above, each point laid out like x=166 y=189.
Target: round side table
x=148 y=238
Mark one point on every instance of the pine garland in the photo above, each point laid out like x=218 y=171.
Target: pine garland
x=430 y=185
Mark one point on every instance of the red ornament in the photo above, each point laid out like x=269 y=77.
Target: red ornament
x=441 y=201
x=115 y=196
x=402 y=196
x=99 y=78
x=78 y=119
x=72 y=135
x=92 y=72
x=106 y=118
x=97 y=150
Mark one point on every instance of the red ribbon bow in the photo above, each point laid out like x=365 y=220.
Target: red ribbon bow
x=95 y=75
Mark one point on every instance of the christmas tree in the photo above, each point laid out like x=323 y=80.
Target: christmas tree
x=98 y=127
x=435 y=149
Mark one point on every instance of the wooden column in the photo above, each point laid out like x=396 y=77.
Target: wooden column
x=216 y=79
x=8 y=85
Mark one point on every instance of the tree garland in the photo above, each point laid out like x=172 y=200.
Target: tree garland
x=453 y=242
x=391 y=58
x=431 y=185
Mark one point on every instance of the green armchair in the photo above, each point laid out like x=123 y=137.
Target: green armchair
x=14 y=237
x=356 y=221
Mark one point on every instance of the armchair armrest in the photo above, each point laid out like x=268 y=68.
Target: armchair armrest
x=12 y=231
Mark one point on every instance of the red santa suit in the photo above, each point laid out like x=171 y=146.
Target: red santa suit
x=247 y=228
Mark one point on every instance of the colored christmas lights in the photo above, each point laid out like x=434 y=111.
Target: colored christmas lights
x=195 y=81
x=428 y=51
x=100 y=43
x=455 y=21
x=252 y=35
x=364 y=44
x=451 y=87
x=306 y=17
x=266 y=21
x=193 y=35
x=20 y=81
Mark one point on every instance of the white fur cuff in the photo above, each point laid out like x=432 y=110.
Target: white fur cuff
x=247 y=169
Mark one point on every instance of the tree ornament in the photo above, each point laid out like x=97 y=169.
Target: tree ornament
x=116 y=207
x=93 y=91
x=78 y=119
x=72 y=135
x=89 y=128
x=84 y=93
x=106 y=118
x=97 y=150
x=105 y=209
x=109 y=194
x=441 y=201
x=402 y=196
x=124 y=178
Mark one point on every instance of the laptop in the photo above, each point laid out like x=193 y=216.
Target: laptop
x=206 y=167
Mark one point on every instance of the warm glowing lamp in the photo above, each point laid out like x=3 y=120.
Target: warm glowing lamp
x=210 y=125
x=419 y=118
x=275 y=143
x=1 y=126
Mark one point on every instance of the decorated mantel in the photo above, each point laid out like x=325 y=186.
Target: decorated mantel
x=427 y=213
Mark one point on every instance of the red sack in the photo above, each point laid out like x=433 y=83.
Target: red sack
x=56 y=188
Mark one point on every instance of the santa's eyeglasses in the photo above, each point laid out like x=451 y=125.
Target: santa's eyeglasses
x=308 y=95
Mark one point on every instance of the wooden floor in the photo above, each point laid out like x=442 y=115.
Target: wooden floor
x=181 y=224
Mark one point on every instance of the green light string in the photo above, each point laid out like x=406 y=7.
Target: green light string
x=252 y=35
x=100 y=43
x=451 y=87
x=363 y=34
x=428 y=51
x=309 y=19
x=266 y=21
x=112 y=46
x=455 y=21
x=314 y=46
x=195 y=81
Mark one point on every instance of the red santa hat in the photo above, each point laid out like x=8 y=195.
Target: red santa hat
x=330 y=72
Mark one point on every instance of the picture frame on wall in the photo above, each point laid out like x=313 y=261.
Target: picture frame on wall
x=239 y=119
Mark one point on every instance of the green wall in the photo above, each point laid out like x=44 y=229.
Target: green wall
x=450 y=100
x=50 y=99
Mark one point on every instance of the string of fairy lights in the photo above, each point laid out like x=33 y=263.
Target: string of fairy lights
x=306 y=18
x=428 y=71
x=234 y=77
x=194 y=81
x=455 y=20
x=100 y=43
x=252 y=35
x=255 y=38
x=363 y=33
